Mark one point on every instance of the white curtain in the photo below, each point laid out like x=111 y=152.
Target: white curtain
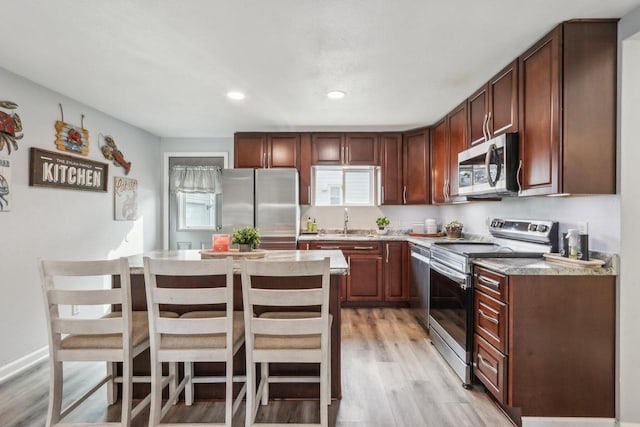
x=196 y=179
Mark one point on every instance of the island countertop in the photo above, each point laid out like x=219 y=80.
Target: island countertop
x=337 y=262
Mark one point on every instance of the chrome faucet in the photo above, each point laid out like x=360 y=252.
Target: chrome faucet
x=346 y=221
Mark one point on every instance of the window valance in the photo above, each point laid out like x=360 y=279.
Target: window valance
x=196 y=179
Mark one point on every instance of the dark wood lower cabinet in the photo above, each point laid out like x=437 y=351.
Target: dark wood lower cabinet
x=548 y=348
x=364 y=283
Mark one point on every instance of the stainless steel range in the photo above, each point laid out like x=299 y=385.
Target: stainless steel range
x=451 y=290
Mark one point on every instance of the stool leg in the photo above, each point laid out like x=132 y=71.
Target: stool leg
x=264 y=373
x=228 y=405
x=173 y=384
x=188 y=388
x=155 y=412
x=127 y=389
x=112 y=389
x=55 y=392
x=251 y=391
x=324 y=407
x=329 y=372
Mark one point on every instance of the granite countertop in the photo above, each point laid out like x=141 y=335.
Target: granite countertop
x=541 y=267
x=364 y=236
x=338 y=264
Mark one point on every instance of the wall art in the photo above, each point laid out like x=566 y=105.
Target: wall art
x=51 y=169
x=125 y=199
x=10 y=126
x=70 y=137
x=110 y=152
x=5 y=185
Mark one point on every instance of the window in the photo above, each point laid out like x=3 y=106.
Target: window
x=344 y=186
x=197 y=211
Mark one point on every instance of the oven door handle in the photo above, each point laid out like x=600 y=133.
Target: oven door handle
x=460 y=279
x=420 y=257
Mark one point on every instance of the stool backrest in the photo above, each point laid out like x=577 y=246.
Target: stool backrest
x=55 y=296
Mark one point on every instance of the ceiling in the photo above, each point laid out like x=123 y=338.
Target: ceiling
x=166 y=65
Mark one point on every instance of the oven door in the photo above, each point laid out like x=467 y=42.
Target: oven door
x=450 y=309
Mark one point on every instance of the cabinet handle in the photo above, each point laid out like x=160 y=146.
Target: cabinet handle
x=518 y=178
x=487 y=281
x=343 y=157
x=309 y=194
x=268 y=159
x=349 y=264
x=387 y=260
x=363 y=248
x=307 y=246
x=489 y=128
x=329 y=247
x=264 y=159
x=484 y=127
x=489 y=318
x=482 y=362
x=382 y=194
x=346 y=159
x=404 y=194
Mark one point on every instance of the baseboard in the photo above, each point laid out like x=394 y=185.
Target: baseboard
x=18 y=366
x=627 y=424
x=568 y=422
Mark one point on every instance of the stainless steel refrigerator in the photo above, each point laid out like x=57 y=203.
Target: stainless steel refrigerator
x=263 y=198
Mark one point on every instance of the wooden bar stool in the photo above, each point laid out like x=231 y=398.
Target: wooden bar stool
x=115 y=337
x=197 y=336
x=286 y=336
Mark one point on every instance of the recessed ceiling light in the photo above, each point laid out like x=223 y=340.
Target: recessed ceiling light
x=336 y=94
x=237 y=96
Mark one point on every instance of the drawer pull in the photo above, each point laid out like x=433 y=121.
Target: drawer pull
x=487 y=281
x=329 y=247
x=489 y=318
x=363 y=248
x=489 y=367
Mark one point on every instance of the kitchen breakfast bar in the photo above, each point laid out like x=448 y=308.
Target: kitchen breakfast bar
x=338 y=267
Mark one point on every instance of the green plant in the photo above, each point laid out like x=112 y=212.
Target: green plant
x=246 y=236
x=382 y=221
x=454 y=224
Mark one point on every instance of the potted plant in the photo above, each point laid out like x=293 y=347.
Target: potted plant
x=454 y=229
x=246 y=238
x=382 y=222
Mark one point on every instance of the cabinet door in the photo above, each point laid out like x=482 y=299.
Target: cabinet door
x=391 y=153
x=305 y=169
x=364 y=282
x=457 y=122
x=503 y=101
x=250 y=150
x=416 y=168
x=396 y=285
x=539 y=98
x=438 y=161
x=361 y=149
x=478 y=104
x=490 y=320
x=327 y=149
x=283 y=150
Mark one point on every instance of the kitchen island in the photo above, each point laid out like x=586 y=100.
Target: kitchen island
x=338 y=266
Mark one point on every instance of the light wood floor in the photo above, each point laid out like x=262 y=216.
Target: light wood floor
x=391 y=376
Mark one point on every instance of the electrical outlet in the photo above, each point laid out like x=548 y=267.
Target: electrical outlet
x=583 y=227
x=75 y=310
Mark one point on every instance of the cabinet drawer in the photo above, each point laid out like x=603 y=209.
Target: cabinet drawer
x=349 y=247
x=490 y=366
x=491 y=283
x=490 y=317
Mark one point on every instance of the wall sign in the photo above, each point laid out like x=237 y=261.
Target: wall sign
x=51 y=169
x=5 y=185
x=125 y=199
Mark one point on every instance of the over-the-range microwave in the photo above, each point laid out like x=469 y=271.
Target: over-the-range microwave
x=490 y=169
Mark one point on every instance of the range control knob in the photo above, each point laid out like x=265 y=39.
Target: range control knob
x=533 y=227
x=542 y=228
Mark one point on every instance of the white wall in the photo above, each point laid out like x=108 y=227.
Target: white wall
x=629 y=286
x=64 y=224
x=222 y=144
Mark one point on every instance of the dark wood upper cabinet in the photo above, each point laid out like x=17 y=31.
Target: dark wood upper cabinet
x=361 y=149
x=283 y=150
x=567 y=122
x=305 y=169
x=327 y=148
x=457 y=142
x=250 y=150
x=416 y=168
x=493 y=109
x=448 y=138
x=391 y=165
x=438 y=161
x=262 y=150
x=477 y=105
x=344 y=149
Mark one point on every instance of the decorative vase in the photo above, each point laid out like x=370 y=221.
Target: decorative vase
x=454 y=232
x=382 y=230
x=244 y=247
